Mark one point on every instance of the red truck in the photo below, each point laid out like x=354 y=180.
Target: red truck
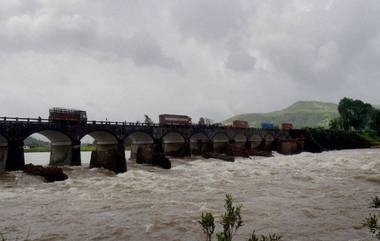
x=170 y=119
x=67 y=115
x=286 y=126
x=240 y=124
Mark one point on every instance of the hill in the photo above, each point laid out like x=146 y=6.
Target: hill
x=34 y=142
x=301 y=114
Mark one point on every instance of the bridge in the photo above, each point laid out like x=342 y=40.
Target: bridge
x=111 y=138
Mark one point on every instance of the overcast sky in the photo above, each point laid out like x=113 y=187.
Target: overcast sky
x=121 y=59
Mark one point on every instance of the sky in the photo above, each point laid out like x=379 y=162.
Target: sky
x=215 y=58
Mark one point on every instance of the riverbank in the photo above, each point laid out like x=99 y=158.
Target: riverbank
x=302 y=197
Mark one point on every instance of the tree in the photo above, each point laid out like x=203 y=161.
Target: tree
x=209 y=121
x=336 y=124
x=355 y=114
x=201 y=121
x=375 y=123
x=148 y=120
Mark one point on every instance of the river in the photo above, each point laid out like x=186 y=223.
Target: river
x=302 y=197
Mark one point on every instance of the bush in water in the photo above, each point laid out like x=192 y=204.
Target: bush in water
x=375 y=202
x=372 y=221
x=231 y=222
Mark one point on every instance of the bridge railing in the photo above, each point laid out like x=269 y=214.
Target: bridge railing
x=118 y=123
x=21 y=119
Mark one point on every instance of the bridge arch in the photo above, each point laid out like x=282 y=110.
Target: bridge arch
x=54 y=136
x=174 y=144
x=255 y=140
x=240 y=140
x=220 y=141
x=109 y=151
x=102 y=137
x=60 y=146
x=220 y=137
x=138 y=139
x=199 y=143
x=269 y=141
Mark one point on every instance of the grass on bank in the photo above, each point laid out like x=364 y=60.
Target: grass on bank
x=372 y=137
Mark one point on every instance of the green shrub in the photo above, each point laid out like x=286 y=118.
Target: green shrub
x=208 y=225
x=372 y=221
x=270 y=237
x=231 y=222
x=375 y=202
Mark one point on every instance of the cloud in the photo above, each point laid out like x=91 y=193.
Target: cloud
x=209 y=19
x=52 y=32
x=122 y=59
x=240 y=62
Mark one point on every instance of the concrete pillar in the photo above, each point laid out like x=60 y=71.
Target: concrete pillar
x=15 y=157
x=65 y=154
x=269 y=141
x=109 y=156
x=3 y=156
x=146 y=146
x=288 y=147
x=143 y=152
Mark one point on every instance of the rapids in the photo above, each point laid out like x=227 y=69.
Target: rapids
x=306 y=197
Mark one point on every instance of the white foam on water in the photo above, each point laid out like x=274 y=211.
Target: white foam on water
x=302 y=197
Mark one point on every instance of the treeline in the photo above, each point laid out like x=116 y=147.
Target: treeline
x=319 y=139
x=358 y=126
x=356 y=115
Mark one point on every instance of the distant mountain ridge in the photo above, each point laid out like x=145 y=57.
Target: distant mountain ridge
x=301 y=114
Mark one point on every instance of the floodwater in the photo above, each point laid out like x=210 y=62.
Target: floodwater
x=302 y=197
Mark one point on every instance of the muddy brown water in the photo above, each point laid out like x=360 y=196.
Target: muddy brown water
x=302 y=197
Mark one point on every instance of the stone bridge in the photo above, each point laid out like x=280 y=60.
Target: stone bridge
x=112 y=137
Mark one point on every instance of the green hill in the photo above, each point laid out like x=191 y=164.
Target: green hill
x=33 y=142
x=301 y=114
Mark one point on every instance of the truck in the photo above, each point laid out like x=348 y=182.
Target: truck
x=172 y=119
x=267 y=125
x=286 y=126
x=57 y=114
x=240 y=124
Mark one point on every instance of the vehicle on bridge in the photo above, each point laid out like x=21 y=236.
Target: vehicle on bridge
x=267 y=125
x=240 y=124
x=67 y=115
x=286 y=126
x=170 y=119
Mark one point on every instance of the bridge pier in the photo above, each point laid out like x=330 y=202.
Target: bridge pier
x=110 y=156
x=15 y=156
x=65 y=154
x=3 y=156
x=145 y=146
